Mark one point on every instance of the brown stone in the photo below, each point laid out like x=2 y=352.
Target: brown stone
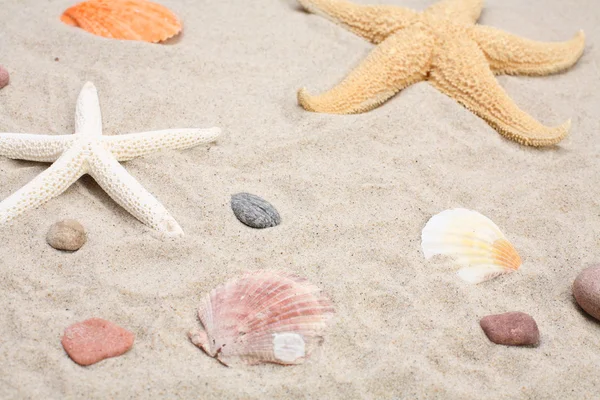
x=94 y=340
x=586 y=290
x=511 y=329
x=4 y=77
x=66 y=235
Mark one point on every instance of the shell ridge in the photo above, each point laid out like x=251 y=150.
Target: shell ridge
x=268 y=290
x=90 y=24
x=268 y=310
x=290 y=323
x=255 y=300
x=119 y=28
x=309 y=304
x=271 y=287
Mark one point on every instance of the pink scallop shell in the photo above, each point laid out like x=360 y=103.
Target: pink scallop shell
x=263 y=317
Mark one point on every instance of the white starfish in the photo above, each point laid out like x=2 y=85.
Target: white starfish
x=88 y=152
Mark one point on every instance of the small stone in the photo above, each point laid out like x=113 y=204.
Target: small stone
x=94 y=340
x=66 y=235
x=511 y=329
x=4 y=77
x=586 y=290
x=254 y=211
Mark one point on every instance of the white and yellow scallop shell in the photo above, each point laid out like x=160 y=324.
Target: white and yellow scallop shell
x=473 y=240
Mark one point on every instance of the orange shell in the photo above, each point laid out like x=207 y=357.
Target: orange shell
x=124 y=19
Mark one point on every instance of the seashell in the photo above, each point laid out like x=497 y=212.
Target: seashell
x=124 y=19
x=262 y=317
x=476 y=243
x=253 y=211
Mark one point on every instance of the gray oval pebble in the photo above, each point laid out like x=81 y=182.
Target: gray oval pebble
x=511 y=329
x=254 y=211
x=586 y=290
x=4 y=77
x=66 y=235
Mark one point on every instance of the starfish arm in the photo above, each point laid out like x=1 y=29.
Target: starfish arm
x=374 y=23
x=133 y=145
x=460 y=70
x=31 y=147
x=129 y=193
x=88 y=118
x=399 y=61
x=466 y=11
x=50 y=183
x=510 y=54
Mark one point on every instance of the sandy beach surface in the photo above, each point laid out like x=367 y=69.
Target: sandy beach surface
x=353 y=191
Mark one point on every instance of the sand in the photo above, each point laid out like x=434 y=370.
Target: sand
x=354 y=193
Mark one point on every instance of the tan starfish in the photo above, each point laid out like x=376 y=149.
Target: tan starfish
x=442 y=45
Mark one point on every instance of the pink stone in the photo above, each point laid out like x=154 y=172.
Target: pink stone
x=586 y=290
x=3 y=77
x=511 y=329
x=94 y=340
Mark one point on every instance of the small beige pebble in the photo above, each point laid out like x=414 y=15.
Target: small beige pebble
x=66 y=235
x=4 y=77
